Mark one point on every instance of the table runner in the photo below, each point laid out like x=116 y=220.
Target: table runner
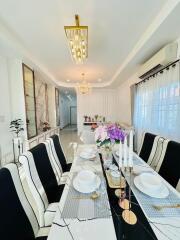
x=85 y=208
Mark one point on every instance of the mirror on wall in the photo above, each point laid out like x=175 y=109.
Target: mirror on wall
x=29 y=92
x=57 y=107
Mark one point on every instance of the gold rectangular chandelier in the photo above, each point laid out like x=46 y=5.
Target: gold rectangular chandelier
x=78 y=41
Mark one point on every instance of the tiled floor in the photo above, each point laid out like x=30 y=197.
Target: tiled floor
x=68 y=135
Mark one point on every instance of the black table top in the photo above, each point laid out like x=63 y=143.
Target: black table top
x=141 y=230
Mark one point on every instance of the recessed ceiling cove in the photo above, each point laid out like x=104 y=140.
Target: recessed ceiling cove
x=114 y=27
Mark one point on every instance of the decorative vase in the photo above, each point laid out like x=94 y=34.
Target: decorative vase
x=17 y=148
x=107 y=153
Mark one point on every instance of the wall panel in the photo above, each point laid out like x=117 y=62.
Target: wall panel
x=103 y=102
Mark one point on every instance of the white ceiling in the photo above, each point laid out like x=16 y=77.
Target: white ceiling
x=115 y=27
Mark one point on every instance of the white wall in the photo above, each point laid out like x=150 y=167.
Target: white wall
x=12 y=104
x=51 y=105
x=5 y=113
x=16 y=93
x=103 y=102
x=124 y=99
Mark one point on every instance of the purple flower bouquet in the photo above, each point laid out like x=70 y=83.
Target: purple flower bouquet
x=109 y=134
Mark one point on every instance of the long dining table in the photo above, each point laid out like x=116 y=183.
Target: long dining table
x=85 y=219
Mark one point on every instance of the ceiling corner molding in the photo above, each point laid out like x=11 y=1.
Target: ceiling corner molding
x=20 y=51
x=155 y=24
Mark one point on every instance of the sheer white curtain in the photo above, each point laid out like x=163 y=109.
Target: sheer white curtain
x=157 y=105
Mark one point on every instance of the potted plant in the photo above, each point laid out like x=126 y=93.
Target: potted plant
x=16 y=126
x=46 y=126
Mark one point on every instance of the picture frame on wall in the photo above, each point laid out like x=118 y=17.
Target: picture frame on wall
x=30 y=101
x=57 y=107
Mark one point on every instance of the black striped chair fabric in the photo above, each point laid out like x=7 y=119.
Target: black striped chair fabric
x=65 y=166
x=17 y=220
x=46 y=173
x=170 y=164
x=147 y=146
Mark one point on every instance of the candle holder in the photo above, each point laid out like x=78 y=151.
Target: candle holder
x=17 y=148
x=126 y=166
x=120 y=192
x=123 y=202
x=128 y=215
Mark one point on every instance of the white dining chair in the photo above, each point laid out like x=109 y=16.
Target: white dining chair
x=148 y=141
x=169 y=164
x=17 y=221
x=42 y=183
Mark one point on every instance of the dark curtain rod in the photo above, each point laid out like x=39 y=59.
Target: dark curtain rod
x=160 y=70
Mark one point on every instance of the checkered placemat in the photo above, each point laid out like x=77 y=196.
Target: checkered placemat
x=147 y=203
x=86 y=208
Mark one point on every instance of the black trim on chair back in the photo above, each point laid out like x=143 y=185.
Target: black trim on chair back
x=170 y=167
x=147 y=146
x=59 y=152
x=45 y=172
x=14 y=223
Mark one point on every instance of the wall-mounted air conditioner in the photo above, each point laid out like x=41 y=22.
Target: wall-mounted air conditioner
x=161 y=59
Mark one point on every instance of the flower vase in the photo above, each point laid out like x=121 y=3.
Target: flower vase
x=107 y=154
x=17 y=148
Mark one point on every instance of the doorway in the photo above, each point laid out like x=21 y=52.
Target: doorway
x=73 y=115
x=68 y=108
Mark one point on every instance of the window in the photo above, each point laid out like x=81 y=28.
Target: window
x=157 y=104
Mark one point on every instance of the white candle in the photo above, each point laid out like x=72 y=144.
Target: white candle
x=125 y=152
x=130 y=149
x=120 y=154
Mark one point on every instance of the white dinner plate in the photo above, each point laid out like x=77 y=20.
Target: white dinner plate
x=163 y=192
x=90 y=150
x=87 y=156
x=86 y=189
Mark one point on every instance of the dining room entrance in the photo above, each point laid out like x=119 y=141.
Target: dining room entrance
x=68 y=108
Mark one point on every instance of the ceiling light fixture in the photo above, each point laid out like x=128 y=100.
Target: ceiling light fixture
x=78 y=41
x=83 y=87
x=67 y=80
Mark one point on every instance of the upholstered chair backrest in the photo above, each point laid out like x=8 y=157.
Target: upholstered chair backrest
x=54 y=156
x=45 y=171
x=59 y=151
x=158 y=149
x=54 y=162
x=35 y=185
x=17 y=219
x=147 y=145
x=169 y=164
